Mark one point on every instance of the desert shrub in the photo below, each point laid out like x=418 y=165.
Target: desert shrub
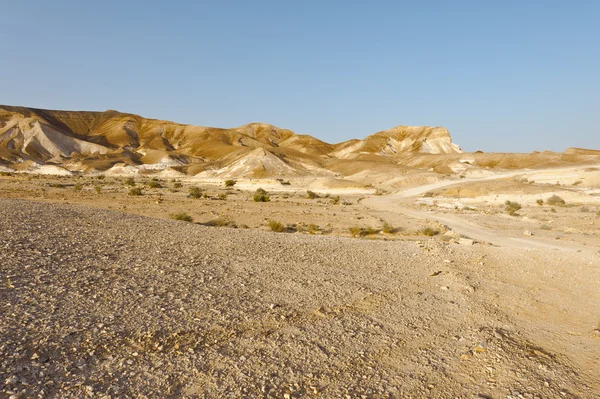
x=429 y=232
x=428 y=194
x=335 y=200
x=355 y=231
x=276 y=226
x=261 y=196
x=555 y=200
x=230 y=183
x=195 y=192
x=154 y=184
x=100 y=177
x=177 y=185
x=78 y=186
x=181 y=216
x=311 y=194
x=313 y=228
x=218 y=222
x=129 y=181
x=552 y=210
x=98 y=189
x=223 y=196
x=285 y=182
x=511 y=207
x=598 y=213
x=368 y=231
x=540 y=202
x=7 y=174
x=205 y=195
x=387 y=228
x=135 y=191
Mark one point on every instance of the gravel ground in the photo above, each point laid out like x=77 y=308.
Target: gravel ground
x=103 y=304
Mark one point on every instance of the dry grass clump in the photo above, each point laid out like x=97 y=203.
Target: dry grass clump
x=136 y=191
x=261 y=196
x=181 y=216
x=555 y=200
x=195 y=192
x=177 y=185
x=230 y=183
x=276 y=226
x=313 y=228
x=540 y=202
x=429 y=232
x=154 y=184
x=388 y=228
x=129 y=181
x=511 y=207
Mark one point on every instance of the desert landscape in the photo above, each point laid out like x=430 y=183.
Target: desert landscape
x=145 y=258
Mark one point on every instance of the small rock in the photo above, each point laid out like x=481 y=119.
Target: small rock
x=466 y=241
x=527 y=233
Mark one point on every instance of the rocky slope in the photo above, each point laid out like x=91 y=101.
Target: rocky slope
x=97 y=141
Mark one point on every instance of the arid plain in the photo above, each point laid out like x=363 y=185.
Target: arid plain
x=142 y=258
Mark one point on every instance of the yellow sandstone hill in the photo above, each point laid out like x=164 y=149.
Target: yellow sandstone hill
x=45 y=141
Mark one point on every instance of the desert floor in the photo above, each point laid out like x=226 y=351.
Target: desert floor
x=430 y=291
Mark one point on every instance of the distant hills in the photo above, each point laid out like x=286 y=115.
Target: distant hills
x=121 y=143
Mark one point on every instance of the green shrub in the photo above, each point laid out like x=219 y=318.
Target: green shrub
x=429 y=232
x=555 y=200
x=181 y=216
x=129 y=181
x=135 y=191
x=261 y=196
x=230 y=183
x=311 y=194
x=276 y=226
x=195 y=192
x=511 y=207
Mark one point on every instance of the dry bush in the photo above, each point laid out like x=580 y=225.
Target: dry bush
x=136 y=191
x=429 y=232
x=261 y=196
x=230 y=183
x=511 y=207
x=355 y=231
x=129 y=181
x=555 y=200
x=195 y=192
x=311 y=194
x=181 y=216
x=276 y=226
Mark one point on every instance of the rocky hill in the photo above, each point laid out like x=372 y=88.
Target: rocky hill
x=101 y=141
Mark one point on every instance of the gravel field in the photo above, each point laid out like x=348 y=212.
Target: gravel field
x=103 y=304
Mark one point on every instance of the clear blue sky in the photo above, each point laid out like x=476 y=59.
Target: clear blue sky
x=500 y=75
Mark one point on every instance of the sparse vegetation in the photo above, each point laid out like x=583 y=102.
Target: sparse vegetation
x=181 y=216
x=177 y=185
x=222 y=196
x=387 y=228
x=261 y=196
x=154 y=184
x=311 y=194
x=428 y=194
x=230 y=183
x=429 y=232
x=78 y=186
x=313 y=228
x=540 y=202
x=555 y=200
x=195 y=192
x=274 y=225
x=98 y=189
x=335 y=200
x=129 y=181
x=355 y=231
x=136 y=191
x=512 y=207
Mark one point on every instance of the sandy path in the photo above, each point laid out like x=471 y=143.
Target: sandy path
x=399 y=202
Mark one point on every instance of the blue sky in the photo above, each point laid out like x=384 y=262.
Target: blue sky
x=510 y=76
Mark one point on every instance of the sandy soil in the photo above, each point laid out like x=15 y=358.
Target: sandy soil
x=103 y=303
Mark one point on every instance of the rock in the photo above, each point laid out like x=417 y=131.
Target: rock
x=527 y=233
x=466 y=241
